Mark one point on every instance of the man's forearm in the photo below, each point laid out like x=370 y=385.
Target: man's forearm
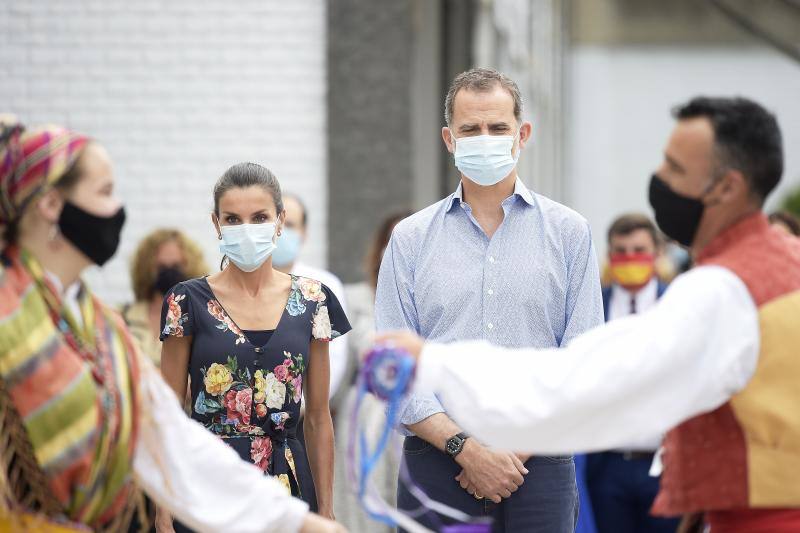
x=435 y=429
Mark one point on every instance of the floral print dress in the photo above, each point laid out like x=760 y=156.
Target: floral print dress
x=250 y=395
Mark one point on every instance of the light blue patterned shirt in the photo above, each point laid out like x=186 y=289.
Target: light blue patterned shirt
x=535 y=283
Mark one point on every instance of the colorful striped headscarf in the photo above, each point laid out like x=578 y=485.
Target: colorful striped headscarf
x=31 y=162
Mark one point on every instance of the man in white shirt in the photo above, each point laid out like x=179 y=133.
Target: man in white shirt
x=619 y=483
x=285 y=259
x=714 y=362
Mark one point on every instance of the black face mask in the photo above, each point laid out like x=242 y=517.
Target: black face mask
x=97 y=237
x=168 y=277
x=677 y=216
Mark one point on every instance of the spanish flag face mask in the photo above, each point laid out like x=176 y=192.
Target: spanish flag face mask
x=632 y=271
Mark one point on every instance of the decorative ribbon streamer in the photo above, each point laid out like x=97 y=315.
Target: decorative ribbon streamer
x=388 y=372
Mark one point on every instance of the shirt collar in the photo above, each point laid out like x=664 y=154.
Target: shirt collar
x=649 y=291
x=70 y=296
x=752 y=224
x=520 y=190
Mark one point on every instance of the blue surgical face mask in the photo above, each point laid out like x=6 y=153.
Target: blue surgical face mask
x=486 y=159
x=289 y=244
x=248 y=245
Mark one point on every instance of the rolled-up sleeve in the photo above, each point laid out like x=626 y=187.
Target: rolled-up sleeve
x=395 y=310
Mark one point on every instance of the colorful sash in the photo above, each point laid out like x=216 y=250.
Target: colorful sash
x=70 y=385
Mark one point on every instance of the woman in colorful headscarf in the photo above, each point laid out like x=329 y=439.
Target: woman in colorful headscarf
x=85 y=421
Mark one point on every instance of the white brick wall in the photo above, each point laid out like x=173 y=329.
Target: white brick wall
x=177 y=91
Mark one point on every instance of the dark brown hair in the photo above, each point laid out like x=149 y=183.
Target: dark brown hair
x=746 y=138
x=481 y=80
x=243 y=175
x=630 y=222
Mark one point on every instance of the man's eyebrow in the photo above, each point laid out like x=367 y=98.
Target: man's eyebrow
x=673 y=163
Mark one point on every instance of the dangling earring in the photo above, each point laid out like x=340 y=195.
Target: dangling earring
x=53 y=234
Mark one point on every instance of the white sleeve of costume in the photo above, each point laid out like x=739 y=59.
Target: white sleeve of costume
x=197 y=477
x=633 y=377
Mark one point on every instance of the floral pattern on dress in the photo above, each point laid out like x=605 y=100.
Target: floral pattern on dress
x=321 y=328
x=295 y=305
x=216 y=310
x=284 y=479
x=287 y=453
x=271 y=389
x=279 y=420
x=231 y=396
x=175 y=317
x=250 y=396
x=227 y=399
x=261 y=452
x=218 y=379
x=311 y=290
x=303 y=290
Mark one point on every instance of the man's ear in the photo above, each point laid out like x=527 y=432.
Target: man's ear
x=734 y=186
x=525 y=132
x=449 y=141
x=50 y=205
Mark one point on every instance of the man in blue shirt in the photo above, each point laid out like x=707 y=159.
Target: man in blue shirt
x=491 y=261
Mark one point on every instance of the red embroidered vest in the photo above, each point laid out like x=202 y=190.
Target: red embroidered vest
x=745 y=455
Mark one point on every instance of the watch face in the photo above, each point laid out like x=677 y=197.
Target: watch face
x=454 y=445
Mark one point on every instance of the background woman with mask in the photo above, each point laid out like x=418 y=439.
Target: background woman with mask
x=254 y=340
x=163 y=259
x=85 y=420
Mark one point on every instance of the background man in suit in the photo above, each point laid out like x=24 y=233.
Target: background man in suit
x=619 y=482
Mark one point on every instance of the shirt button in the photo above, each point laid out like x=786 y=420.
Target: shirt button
x=490 y=292
x=490 y=325
x=258 y=349
x=491 y=259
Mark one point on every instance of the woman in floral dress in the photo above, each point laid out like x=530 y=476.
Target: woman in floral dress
x=253 y=342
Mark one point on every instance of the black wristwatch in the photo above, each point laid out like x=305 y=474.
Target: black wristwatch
x=455 y=444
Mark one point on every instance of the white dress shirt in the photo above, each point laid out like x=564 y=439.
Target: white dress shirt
x=620 y=300
x=633 y=377
x=337 y=351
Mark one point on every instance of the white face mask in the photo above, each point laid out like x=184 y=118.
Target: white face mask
x=248 y=245
x=485 y=159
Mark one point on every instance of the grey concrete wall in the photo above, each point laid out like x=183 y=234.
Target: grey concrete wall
x=369 y=126
x=689 y=22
